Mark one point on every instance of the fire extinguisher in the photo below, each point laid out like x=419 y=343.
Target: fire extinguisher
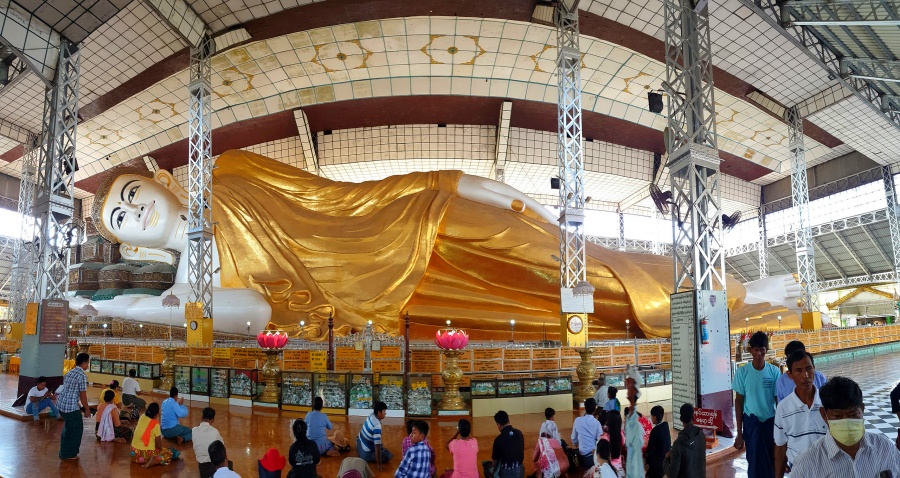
x=704 y=331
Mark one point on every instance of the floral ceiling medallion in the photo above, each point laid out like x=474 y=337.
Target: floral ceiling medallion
x=234 y=81
x=342 y=55
x=156 y=111
x=443 y=49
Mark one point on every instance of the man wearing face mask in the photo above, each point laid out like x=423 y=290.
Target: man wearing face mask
x=848 y=450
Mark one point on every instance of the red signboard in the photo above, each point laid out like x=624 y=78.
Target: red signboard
x=707 y=418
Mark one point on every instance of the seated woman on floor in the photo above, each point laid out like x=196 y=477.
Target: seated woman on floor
x=126 y=412
x=109 y=427
x=146 y=446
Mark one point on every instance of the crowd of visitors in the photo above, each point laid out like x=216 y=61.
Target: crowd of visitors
x=795 y=424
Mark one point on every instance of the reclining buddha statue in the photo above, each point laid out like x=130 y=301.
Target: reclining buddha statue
x=290 y=246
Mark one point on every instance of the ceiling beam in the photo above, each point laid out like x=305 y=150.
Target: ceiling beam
x=502 y=141
x=878 y=247
x=840 y=13
x=14 y=132
x=32 y=40
x=181 y=18
x=834 y=264
x=852 y=253
x=778 y=260
x=735 y=269
x=307 y=145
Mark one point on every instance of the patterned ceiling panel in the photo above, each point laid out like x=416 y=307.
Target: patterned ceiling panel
x=410 y=56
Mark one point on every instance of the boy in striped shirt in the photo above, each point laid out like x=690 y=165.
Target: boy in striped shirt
x=368 y=443
x=798 y=423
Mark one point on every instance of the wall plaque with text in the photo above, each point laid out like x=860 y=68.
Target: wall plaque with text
x=54 y=313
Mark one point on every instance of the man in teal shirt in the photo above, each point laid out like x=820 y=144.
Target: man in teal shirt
x=754 y=406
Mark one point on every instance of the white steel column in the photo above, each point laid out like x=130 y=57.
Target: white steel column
x=502 y=142
x=200 y=235
x=890 y=196
x=806 y=261
x=21 y=288
x=701 y=351
x=761 y=249
x=621 y=230
x=576 y=294
x=53 y=209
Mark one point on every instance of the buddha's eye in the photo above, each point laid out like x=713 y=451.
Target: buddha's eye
x=132 y=192
x=120 y=216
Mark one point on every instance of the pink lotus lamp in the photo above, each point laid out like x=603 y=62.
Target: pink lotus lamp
x=451 y=339
x=272 y=339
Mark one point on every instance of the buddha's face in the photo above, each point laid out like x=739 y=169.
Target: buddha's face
x=140 y=211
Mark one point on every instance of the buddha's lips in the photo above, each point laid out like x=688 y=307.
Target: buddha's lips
x=147 y=213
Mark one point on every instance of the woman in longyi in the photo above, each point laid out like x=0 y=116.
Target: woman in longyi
x=291 y=246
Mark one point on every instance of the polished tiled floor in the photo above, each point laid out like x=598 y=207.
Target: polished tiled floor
x=29 y=450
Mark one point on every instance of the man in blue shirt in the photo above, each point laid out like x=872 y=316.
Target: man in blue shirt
x=317 y=424
x=74 y=391
x=586 y=431
x=612 y=402
x=416 y=462
x=785 y=386
x=754 y=407
x=172 y=409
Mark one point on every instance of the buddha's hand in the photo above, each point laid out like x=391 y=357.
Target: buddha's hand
x=783 y=290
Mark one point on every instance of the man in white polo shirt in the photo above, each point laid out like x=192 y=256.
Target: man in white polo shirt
x=798 y=423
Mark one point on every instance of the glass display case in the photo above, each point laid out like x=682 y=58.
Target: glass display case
x=183 y=379
x=332 y=387
x=535 y=386
x=418 y=396
x=129 y=366
x=390 y=391
x=296 y=389
x=118 y=368
x=616 y=380
x=200 y=381
x=484 y=388
x=361 y=391
x=155 y=370
x=243 y=383
x=559 y=385
x=145 y=370
x=654 y=377
x=106 y=366
x=509 y=388
x=668 y=375
x=95 y=365
x=218 y=383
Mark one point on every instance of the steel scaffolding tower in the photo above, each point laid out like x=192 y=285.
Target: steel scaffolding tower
x=762 y=250
x=576 y=294
x=621 y=230
x=691 y=144
x=200 y=235
x=53 y=201
x=569 y=148
x=890 y=196
x=806 y=260
x=21 y=288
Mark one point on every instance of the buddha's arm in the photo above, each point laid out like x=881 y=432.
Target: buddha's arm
x=494 y=193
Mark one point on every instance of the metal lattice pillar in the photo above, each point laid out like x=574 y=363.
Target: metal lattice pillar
x=53 y=203
x=700 y=328
x=806 y=261
x=576 y=294
x=621 y=230
x=890 y=196
x=762 y=248
x=21 y=288
x=53 y=209
x=693 y=150
x=200 y=234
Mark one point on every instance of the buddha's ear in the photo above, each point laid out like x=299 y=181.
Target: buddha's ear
x=140 y=253
x=166 y=179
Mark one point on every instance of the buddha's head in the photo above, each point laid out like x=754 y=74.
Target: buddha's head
x=138 y=209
